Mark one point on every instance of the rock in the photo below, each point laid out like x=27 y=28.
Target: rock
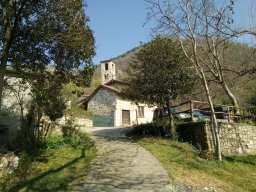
x=3 y=162
x=14 y=163
x=9 y=161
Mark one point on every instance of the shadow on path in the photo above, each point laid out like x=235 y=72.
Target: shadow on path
x=122 y=165
x=29 y=183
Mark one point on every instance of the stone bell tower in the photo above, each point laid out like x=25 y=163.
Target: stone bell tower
x=108 y=71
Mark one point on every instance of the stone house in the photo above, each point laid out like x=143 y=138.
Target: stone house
x=109 y=106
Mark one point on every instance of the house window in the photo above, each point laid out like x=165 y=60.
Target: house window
x=106 y=66
x=140 y=111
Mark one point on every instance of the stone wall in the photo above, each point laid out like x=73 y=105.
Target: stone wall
x=236 y=139
x=81 y=122
x=103 y=103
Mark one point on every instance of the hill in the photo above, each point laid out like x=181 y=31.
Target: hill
x=237 y=59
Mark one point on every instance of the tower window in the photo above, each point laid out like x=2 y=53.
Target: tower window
x=106 y=66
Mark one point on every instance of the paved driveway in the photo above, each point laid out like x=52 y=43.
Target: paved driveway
x=122 y=165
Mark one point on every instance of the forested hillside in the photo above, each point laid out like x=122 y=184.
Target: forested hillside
x=239 y=57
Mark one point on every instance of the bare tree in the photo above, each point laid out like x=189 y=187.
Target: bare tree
x=203 y=31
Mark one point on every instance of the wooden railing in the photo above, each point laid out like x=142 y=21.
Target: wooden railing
x=190 y=107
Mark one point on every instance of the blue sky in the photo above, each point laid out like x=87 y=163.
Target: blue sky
x=118 y=24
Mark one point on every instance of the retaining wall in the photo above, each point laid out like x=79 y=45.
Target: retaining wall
x=235 y=139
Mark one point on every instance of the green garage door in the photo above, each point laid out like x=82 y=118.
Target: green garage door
x=103 y=121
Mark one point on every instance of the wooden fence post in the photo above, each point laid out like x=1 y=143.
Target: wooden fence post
x=228 y=114
x=191 y=110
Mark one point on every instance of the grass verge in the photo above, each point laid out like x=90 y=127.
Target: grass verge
x=56 y=167
x=184 y=165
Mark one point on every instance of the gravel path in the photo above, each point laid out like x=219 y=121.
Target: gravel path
x=122 y=166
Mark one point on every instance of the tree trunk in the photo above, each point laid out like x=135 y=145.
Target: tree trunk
x=7 y=33
x=214 y=120
x=4 y=58
x=171 y=122
x=2 y=72
x=231 y=96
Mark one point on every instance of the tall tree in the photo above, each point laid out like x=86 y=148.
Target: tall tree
x=36 y=34
x=203 y=30
x=159 y=73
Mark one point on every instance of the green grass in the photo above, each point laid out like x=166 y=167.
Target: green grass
x=184 y=165
x=55 y=169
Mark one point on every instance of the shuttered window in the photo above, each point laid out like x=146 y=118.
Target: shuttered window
x=140 y=111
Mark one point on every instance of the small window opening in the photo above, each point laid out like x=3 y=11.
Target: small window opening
x=106 y=66
x=140 y=111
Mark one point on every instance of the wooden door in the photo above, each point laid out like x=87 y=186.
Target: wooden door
x=125 y=117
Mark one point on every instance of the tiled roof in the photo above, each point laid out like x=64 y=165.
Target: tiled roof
x=109 y=88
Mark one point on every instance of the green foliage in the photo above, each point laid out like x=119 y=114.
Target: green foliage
x=6 y=180
x=208 y=155
x=159 y=73
x=71 y=93
x=246 y=121
x=60 y=160
x=49 y=34
x=46 y=93
x=252 y=102
x=77 y=111
x=69 y=128
x=54 y=169
x=37 y=34
x=184 y=165
x=71 y=136
x=71 y=90
x=250 y=159
x=159 y=129
x=54 y=142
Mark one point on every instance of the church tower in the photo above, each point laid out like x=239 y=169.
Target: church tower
x=108 y=71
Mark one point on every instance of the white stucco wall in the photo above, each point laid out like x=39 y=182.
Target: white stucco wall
x=128 y=105
x=14 y=94
x=107 y=103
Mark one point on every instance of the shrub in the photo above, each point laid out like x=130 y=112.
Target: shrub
x=150 y=129
x=6 y=179
x=74 y=137
x=208 y=155
x=69 y=128
x=53 y=142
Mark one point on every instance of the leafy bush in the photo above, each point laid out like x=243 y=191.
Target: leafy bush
x=208 y=155
x=76 y=111
x=54 y=141
x=6 y=180
x=247 y=121
x=78 y=140
x=150 y=129
x=69 y=128
x=159 y=128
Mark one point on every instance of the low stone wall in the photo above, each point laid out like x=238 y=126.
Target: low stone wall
x=235 y=139
x=81 y=122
